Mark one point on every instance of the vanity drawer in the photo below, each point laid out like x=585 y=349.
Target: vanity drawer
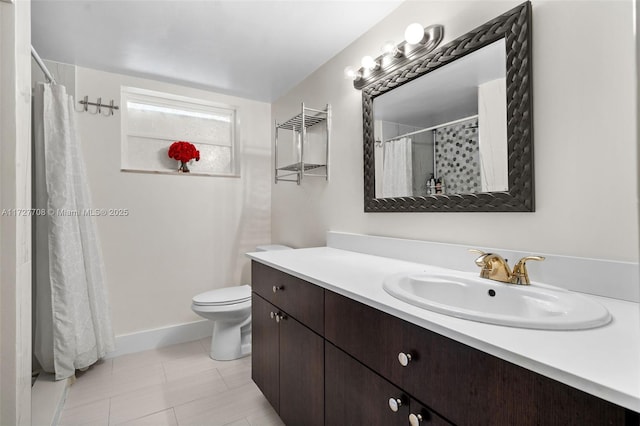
x=355 y=395
x=365 y=333
x=301 y=300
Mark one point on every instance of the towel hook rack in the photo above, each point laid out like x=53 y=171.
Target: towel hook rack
x=99 y=106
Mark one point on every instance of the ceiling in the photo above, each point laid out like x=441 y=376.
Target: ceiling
x=253 y=49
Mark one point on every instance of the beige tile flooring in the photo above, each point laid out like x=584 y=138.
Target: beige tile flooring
x=174 y=385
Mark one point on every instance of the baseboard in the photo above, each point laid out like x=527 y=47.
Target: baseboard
x=160 y=337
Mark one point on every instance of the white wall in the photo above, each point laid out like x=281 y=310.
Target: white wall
x=584 y=130
x=15 y=231
x=185 y=234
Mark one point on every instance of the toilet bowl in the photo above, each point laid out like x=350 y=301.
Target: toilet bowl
x=229 y=309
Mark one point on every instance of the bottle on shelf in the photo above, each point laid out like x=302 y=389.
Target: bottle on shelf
x=430 y=184
x=439 y=186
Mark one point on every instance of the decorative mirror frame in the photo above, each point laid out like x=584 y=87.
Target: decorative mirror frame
x=515 y=27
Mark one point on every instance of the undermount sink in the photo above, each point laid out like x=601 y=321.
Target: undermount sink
x=470 y=297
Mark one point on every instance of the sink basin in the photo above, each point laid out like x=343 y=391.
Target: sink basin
x=470 y=297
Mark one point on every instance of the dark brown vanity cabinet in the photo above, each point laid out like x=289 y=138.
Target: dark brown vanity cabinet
x=287 y=356
x=322 y=358
x=462 y=384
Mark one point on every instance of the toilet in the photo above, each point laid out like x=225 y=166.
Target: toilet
x=229 y=309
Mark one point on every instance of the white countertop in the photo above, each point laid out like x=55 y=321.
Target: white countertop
x=604 y=361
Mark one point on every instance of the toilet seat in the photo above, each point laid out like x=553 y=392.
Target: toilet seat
x=223 y=296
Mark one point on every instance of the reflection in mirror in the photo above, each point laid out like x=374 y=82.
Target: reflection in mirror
x=446 y=131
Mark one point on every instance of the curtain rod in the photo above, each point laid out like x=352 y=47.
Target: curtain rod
x=460 y=120
x=42 y=66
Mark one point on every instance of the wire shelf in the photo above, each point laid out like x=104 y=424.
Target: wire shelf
x=295 y=123
x=296 y=167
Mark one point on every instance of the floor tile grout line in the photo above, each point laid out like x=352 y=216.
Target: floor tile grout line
x=109 y=415
x=223 y=380
x=164 y=372
x=146 y=415
x=175 y=417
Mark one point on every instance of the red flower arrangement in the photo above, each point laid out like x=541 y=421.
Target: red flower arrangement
x=183 y=152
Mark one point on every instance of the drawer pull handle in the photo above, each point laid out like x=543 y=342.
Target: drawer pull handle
x=395 y=404
x=276 y=288
x=404 y=359
x=415 y=419
x=276 y=316
x=279 y=317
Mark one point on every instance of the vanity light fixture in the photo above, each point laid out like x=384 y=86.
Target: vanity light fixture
x=419 y=42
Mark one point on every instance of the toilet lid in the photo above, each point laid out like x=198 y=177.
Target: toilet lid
x=224 y=296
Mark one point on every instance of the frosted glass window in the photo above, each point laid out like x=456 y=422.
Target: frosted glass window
x=152 y=121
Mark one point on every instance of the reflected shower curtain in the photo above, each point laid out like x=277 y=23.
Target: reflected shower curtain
x=73 y=323
x=397 y=169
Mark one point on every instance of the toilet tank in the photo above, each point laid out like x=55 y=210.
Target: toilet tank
x=272 y=247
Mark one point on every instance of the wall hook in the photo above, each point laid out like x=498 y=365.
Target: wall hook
x=110 y=108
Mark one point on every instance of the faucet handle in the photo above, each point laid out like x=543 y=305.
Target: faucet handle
x=472 y=250
x=480 y=260
x=520 y=273
x=493 y=266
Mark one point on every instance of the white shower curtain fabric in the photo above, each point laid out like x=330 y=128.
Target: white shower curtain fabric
x=397 y=169
x=73 y=321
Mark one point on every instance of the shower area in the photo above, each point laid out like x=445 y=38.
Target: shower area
x=410 y=156
x=70 y=309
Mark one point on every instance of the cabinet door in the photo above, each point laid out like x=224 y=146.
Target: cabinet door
x=301 y=300
x=355 y=395
x=301 y=374
x=265 y=345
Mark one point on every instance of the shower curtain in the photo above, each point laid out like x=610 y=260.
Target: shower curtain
x=73 y=323
x=397 y=169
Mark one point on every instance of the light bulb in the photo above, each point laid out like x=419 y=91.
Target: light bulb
x=389 y=48
x=369 y=63
x=350 y=72
x=414 y=33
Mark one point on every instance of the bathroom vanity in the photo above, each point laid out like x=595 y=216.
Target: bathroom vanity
x=329 y=353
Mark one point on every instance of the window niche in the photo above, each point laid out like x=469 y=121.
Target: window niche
x=152 y=121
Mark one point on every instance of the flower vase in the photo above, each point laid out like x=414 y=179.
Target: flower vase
x=184 y=168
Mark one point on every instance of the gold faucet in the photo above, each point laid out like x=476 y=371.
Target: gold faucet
x=495 y=267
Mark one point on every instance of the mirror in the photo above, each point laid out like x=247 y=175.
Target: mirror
x=451 y=131
x=457 y=145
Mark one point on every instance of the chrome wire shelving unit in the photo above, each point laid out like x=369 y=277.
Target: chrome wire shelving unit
x=309 y=119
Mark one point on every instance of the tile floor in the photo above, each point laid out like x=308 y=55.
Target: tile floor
x=174 y=385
